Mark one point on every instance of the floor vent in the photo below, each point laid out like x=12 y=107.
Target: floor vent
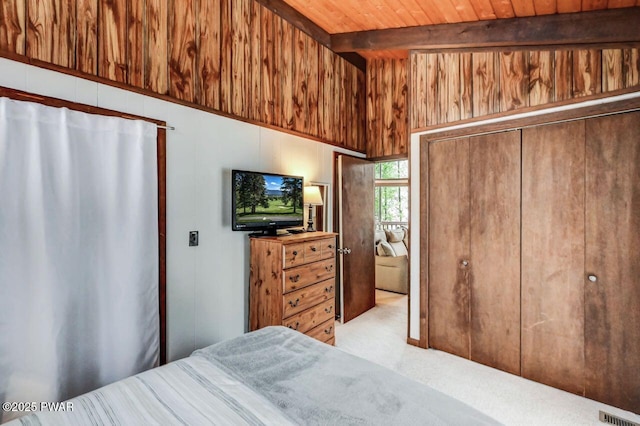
x=615 y=420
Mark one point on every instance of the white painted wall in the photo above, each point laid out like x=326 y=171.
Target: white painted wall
x=207 y=286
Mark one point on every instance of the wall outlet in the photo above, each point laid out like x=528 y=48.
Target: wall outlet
x=193 y=238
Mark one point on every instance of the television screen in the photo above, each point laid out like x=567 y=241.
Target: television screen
x=266 y=201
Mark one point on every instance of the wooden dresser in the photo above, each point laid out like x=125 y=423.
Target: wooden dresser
x=292 y=283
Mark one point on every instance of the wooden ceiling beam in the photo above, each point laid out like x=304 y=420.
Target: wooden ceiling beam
x=304 y=24
x=604 y=27
x=298 y=20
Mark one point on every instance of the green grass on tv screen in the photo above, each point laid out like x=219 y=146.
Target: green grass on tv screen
x=276 y=211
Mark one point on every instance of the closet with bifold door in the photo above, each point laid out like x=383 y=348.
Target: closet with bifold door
x=474 y=231
x=553 y=211
x=533 y=263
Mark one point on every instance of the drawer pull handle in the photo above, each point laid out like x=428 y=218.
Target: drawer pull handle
x=314 y=248
x=294 y=304
x=295 y=278
x=295 y=253
x=328 y=330
x=329 y=268
x=330 y=246
x=328 y=289
x=296 y=327
x=329 y=309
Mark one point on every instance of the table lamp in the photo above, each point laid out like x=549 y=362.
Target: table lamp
x=313 y=198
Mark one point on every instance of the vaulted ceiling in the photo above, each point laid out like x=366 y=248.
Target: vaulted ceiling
x=343 y=16
x=352 y=16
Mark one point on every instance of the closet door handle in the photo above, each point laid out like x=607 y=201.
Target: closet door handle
x=592 y=278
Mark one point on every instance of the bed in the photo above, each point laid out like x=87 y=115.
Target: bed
x=270 y=376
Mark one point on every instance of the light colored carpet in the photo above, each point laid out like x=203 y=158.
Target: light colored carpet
x=379 y=335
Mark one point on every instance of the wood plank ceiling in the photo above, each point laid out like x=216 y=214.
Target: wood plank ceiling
x=346 y=16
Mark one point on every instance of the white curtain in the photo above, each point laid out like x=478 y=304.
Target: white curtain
x=78 y=251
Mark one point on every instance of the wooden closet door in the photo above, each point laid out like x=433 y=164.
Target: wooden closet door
x=553 y=168
x=495 y=250
x=612 y=302
x=449 y=246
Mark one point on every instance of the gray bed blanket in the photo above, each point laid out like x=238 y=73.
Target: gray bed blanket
x=316 y=384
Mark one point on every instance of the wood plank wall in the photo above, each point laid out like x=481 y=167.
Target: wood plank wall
x=230 y=56
x=450 y=87
x=455 y=86
x=387 y=108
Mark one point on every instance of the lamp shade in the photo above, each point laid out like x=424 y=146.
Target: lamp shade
x=312 y=195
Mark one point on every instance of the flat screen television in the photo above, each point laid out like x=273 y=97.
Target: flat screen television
x=266 y=202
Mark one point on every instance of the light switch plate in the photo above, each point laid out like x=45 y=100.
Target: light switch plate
x=193 y=238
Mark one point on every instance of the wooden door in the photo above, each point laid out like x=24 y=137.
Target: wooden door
x=553 y=167
x=449 y=246
x=356 y=228
x=612 y=302
x=495 y=250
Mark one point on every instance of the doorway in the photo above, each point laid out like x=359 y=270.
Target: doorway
x=373 y=200
x=391 y=237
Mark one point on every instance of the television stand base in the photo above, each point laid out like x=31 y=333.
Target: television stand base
x=271 y=232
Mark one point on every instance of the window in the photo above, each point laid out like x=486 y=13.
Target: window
x=391 y=194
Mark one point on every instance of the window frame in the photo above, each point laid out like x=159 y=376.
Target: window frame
x=400 y=182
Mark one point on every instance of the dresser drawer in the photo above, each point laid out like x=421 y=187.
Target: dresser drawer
x=306 y=320
x=300 y=300
x=324 y=332
x=302 y=276
x=328 y=248
x=294 y=255
x=313 y=251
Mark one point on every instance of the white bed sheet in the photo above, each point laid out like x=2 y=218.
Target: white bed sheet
x=191 y=391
